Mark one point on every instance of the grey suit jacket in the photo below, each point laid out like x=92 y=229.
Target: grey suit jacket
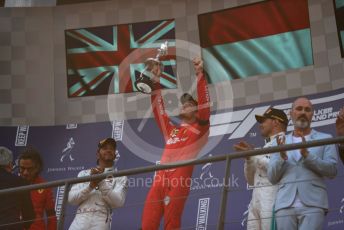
x=305 y=176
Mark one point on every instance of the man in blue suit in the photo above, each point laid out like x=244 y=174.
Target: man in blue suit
x=301 y=201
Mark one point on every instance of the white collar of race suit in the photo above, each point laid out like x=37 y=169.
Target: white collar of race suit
x=109 y=169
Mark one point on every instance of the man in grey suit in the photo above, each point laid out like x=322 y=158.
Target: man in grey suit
x=301 y=201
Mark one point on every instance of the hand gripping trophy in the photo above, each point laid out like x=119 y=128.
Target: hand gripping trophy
x=144 y=83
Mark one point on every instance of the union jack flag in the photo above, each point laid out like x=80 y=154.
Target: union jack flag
x=108 y=59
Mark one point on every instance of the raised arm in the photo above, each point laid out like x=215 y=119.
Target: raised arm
x=160 y=115
x=202 y=92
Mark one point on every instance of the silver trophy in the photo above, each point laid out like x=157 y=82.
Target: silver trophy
x=144 y=83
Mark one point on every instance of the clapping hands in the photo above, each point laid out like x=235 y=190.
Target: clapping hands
x=95 y=171
x=243 y=146
x=281 y=141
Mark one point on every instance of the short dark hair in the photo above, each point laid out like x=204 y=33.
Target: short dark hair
x=31 y=153
x=106 y=141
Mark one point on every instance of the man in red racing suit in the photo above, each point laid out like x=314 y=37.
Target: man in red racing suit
x=30 y=166
x=170 y=188
x=43 y=202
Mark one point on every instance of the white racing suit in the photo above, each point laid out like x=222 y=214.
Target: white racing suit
x=95 y=205
x=264 y=193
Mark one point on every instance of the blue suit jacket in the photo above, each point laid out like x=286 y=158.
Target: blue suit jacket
x=305 y=176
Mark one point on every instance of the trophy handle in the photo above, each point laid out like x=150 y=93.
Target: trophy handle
x=144 y=84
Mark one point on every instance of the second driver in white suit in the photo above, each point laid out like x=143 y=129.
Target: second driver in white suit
x=273 y=124
x=96 y=199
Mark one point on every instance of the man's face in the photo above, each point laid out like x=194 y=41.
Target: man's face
x=302 y=113
x=188 y=110
x=266 y=127
x=28 y=169
x=106 y=153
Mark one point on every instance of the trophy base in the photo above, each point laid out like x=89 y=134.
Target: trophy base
x=144 y=85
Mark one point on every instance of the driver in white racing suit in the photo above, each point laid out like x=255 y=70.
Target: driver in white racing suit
x=96 y=199
x=273 y=124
